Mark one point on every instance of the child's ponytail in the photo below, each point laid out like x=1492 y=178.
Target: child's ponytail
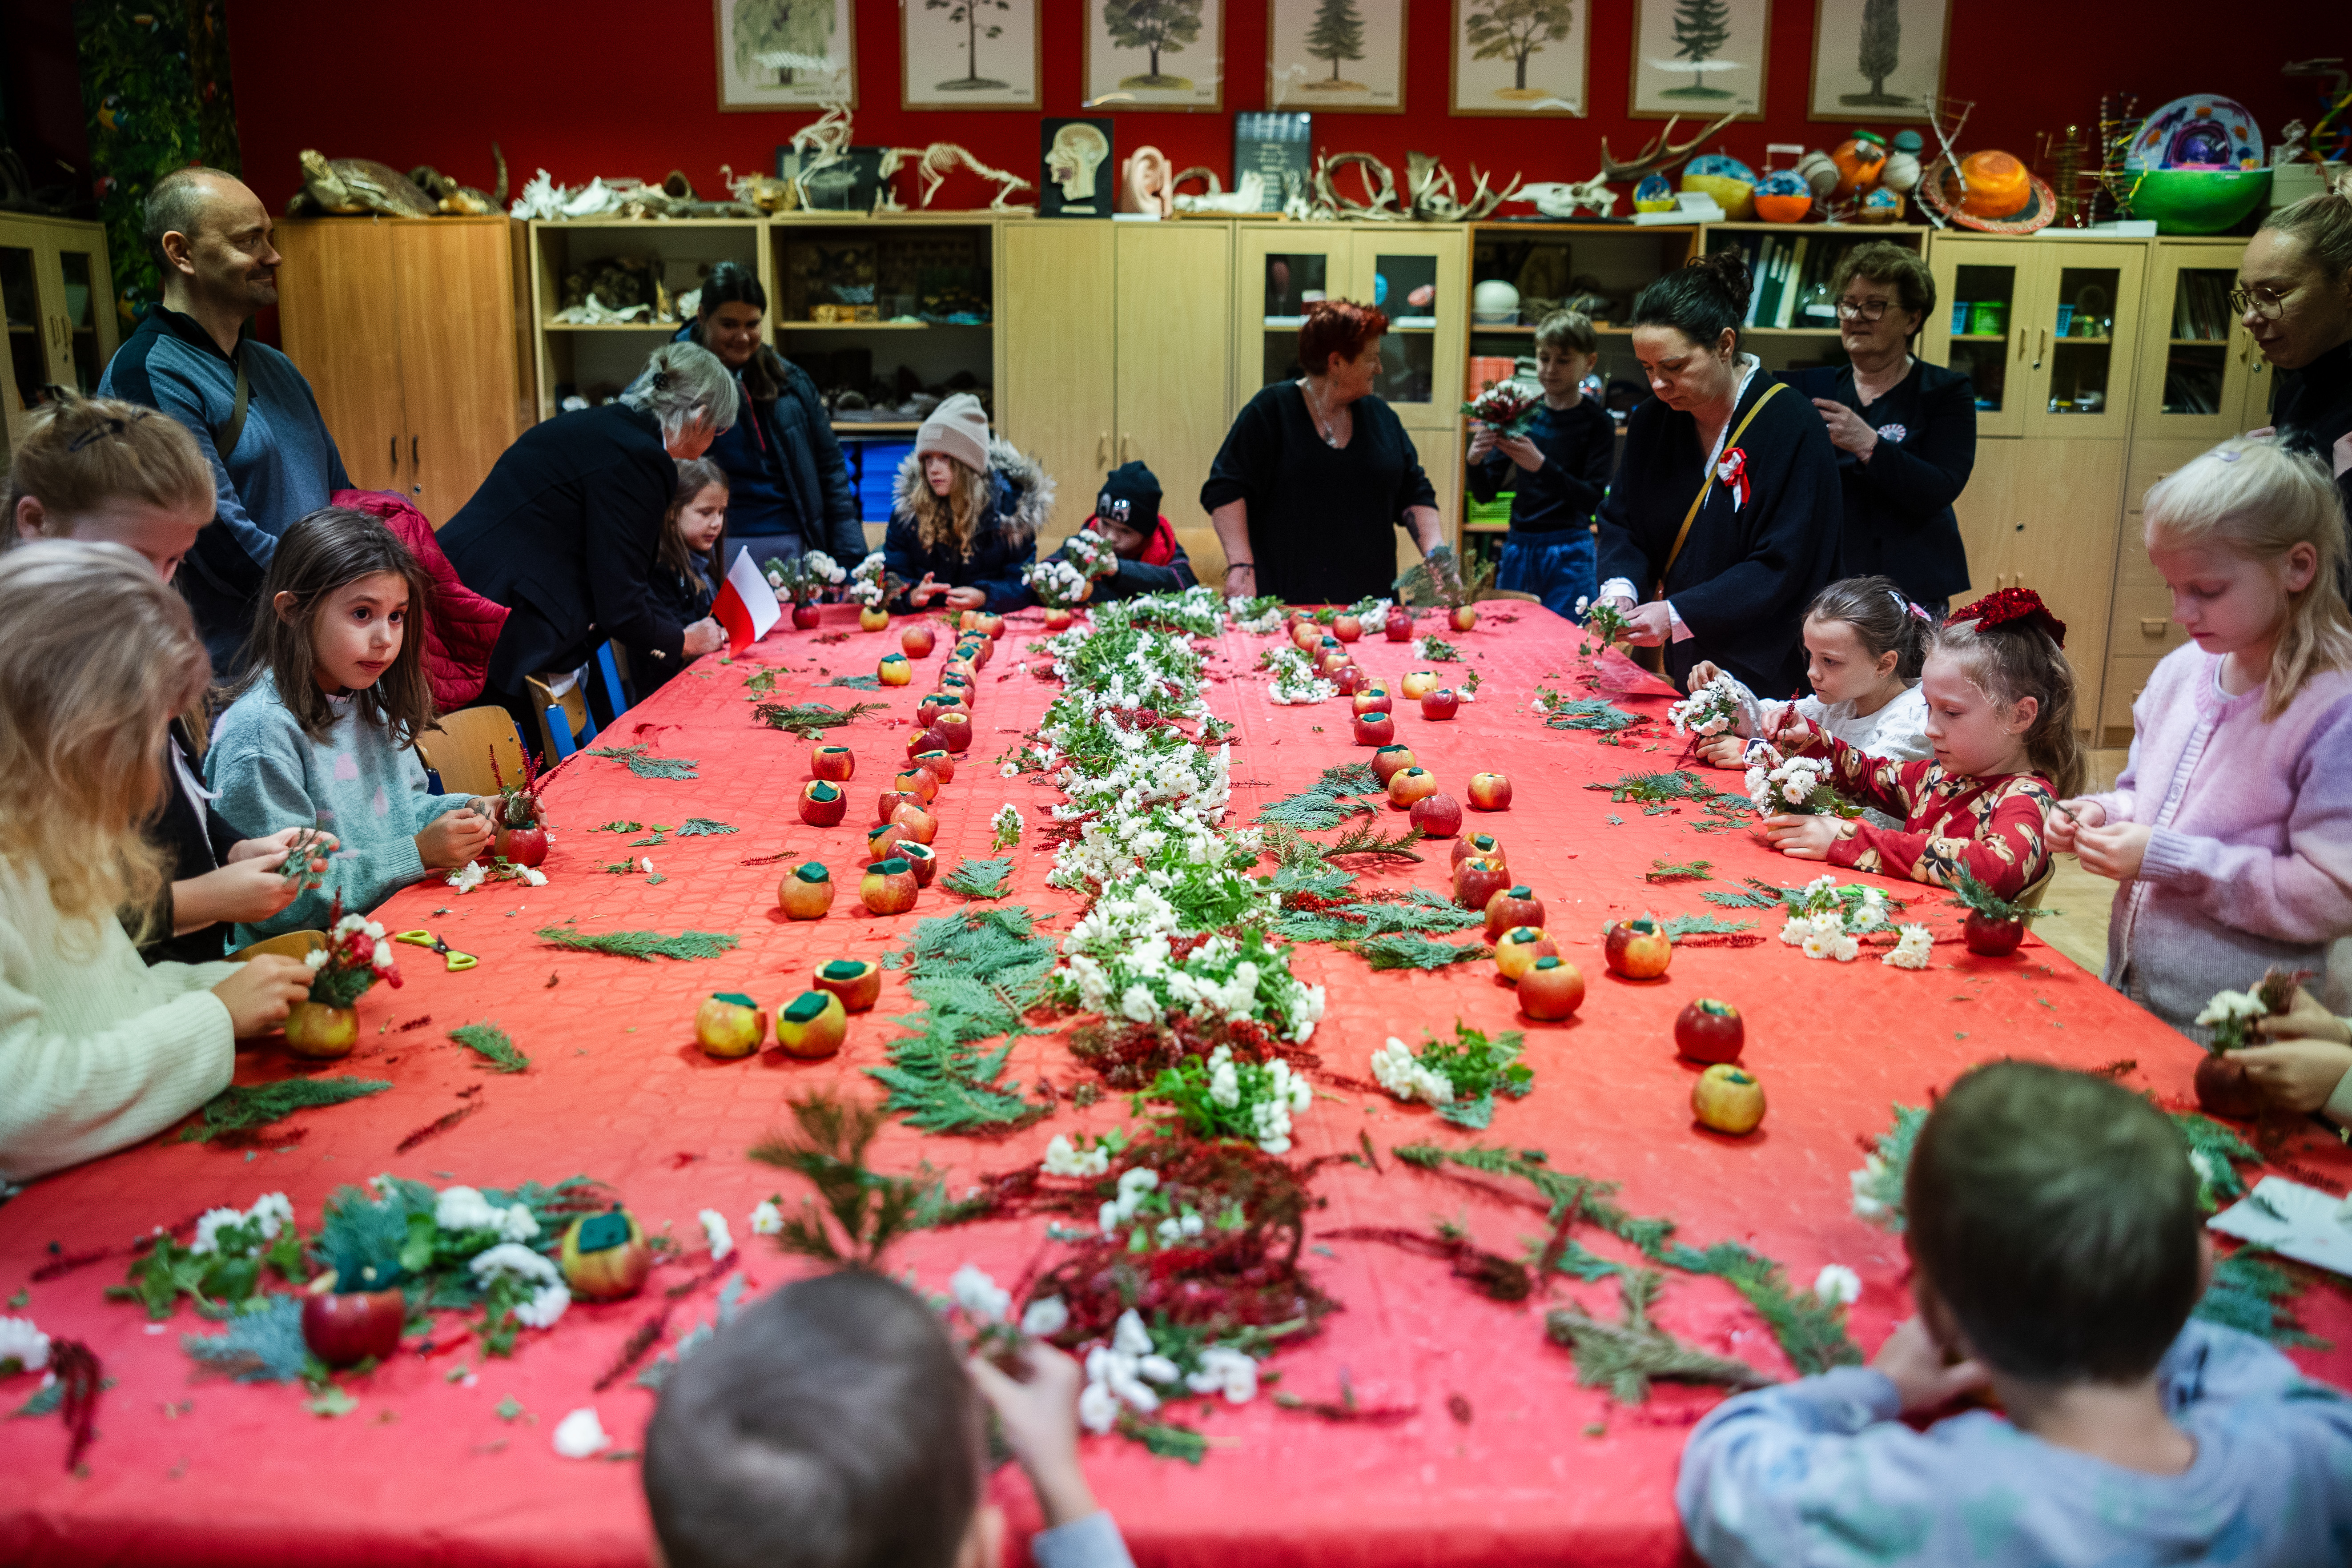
x=2011 y=647
x=80 y=453
x=1882 y=618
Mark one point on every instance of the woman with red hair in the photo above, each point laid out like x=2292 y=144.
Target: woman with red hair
x=1317 y=471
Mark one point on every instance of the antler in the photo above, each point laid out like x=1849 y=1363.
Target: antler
x=1659 y=151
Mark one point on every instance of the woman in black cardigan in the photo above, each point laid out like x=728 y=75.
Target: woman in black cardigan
x=565 y=528
x=1905 y=431
x=1738 y=570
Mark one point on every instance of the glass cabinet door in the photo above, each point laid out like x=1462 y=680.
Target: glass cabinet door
x=1275 y=278
x=1417 y=281
x=2192 y=371
x=28 y=329
x=84 y=309
x=2083 y=337
x=1976 y=328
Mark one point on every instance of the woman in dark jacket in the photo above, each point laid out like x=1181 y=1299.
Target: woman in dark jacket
x=1905 y=431
x=966 y=513
x=788 y=490
x=565 y=530
x=1725 y=503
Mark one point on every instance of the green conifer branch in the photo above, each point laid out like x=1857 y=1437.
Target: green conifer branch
x=644 y=945
x=493 y=1045
x=237 y=1108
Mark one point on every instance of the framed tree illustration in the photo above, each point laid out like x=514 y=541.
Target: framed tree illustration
x=1338 y=55
x=785 y=54
x=1878 y=60
x=1519 y=57
x=1699 y=58
x=1154 y=54
x=968 y=54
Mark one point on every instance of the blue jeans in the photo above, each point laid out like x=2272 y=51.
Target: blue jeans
x=1558 y=568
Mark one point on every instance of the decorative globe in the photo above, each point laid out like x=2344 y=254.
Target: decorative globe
x=1495 y=303
x=1653 y=194
x=1731 y=183
x=2198 y=201
x=1783 y=197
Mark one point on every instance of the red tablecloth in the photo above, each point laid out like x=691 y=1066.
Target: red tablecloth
x=1523 y=1467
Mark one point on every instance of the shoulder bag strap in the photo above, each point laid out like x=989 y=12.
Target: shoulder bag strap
x=1690 y=517
x=225 y=442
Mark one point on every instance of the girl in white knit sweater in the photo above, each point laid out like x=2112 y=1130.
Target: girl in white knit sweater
x=98 y=1050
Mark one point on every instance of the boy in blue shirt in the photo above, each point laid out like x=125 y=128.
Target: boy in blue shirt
x=2056 y=1252
x=1556 y=472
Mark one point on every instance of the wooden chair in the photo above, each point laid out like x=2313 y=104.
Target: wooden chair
x=1484 y=595
x=285 y=945
x=564 y=721
x=2031 y=898
x=463 y=745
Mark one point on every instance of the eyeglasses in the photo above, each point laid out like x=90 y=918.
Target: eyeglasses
x=1861 y=310
x=2264 y=300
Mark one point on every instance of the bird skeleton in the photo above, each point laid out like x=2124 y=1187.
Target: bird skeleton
x=822 y=142
x=1660 y=150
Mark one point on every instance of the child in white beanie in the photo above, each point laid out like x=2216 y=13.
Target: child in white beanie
x=964 y=519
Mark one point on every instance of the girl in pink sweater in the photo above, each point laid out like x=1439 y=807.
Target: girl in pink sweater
x=2230 y=829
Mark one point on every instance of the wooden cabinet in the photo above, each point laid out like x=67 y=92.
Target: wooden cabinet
x=2048 y=331
x=1115 y=351
x=406 y=330
x=2200 y=375
x=57 y=294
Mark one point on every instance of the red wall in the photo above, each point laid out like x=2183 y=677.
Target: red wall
x=598 y=88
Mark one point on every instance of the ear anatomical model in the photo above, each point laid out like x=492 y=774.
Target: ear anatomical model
x=1145 y=182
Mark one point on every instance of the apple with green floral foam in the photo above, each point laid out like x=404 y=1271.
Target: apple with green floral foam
x=1374 y=729
x=1440 y=704
x=1490 y=792
x=1372 y=698
x=823 y=804
x=1516 y=905
x=1710 y=1031
x=888 y=886
x=894 y=670
x=1550 y=989
x=857 y=981
x=1347 y=627
x=832 y=764
x=805 y=892
x=1637 y=949
x=1728 y=1098
x=940 y=762
x=729 y=1025
x=1391 y=760
x=1417 y=684
x=1517 y=949
x=1476 y=881
x=1484 y=846
x=921 y=856
x=920 y=783
x=606 y=1257
x=1408 y=785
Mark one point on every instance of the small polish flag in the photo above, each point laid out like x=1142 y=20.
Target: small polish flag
x=746 y=606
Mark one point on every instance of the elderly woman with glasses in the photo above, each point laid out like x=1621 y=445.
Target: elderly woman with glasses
x=2294 y=295
x=565 y=529
x=1904 y=430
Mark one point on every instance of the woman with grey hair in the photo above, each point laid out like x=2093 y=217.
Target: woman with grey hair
x=565 y=529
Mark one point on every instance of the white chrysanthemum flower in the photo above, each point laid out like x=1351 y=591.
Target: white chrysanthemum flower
x=1098 y=1408
x=316 y=958
x=1912 y=948
x=1819 y=945
x=2231 y=1006
x=1128 y=1336
x=23 y=1347
x=983 y=1300
x=467 y=877
x=382 y=957
x=715 y=1231
x=512 y=1260
x=1045 y=1316
x=1063 y=1159
x=532 y=876
x=464 y=1208
x=767 y=1219
x=580 y=1435
x=546 y=1307
x=1846 y=948
x=1837 y=1285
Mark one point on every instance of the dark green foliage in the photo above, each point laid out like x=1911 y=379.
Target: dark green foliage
x=1410 y=949
x=857 y=682
x=638 y=761
x=1329 y=803
x=493 y=1045
x=980 y=879
x=2251 y=1294
x=264 y=1345
x=868 y=1211
x=1480 y=1067
x=1650 y=789
x=1366 y=838
x=1623 y=1356
x=1664 y=870
x=1422 y=912
x=2215 y=1153
x=976 y=972
x=238 y=1110
x=1165 y=1438
x=220 y=1281
x=1680 y=926
x=810 y=720
x=1583 y=714
x=1973 y=895
x=703 y=828
x=1755 y=895
x=1811 y=1331
x=642 y=945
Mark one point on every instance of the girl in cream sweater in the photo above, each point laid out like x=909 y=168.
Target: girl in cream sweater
x=98 y=1050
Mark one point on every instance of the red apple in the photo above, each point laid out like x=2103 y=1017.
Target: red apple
x=1374 y=730
x=344 y=1329
x=1391 y=760
x=923 y=740
x=1349 y=679
x=1408 y=785
x=888 y=886
x=894 y=669
x=2224 y=1089
x=1464 y=617
x=804 y=616
x=1476 y=881
x=918 y=639
x=729 y=1023
x=811 y=1025
x=1991 y=937
x=919 y=825
x=1490 y=792
x=832 y=764
x=920 y=783
x=919 y=855
x=1439 y=703
x=1727 y=1099
x=941 y=763
x=1437 y=815
x=1307 y=636
x=1710 y=1031
x=857 y=983
x=883 y=838
x=606 y=1257
x=1397 y=627
x=823 y=804
x=1517 y=950
x=1484 y=846
x=1346 y=628
x=1058 y=620
x=1551 y=989
x=954 y=730
x=520 y=846
x=1331 y=660
x=1372 y=698
x=1418 y=684
x=1638 y=948
x=1516 y=905
x=806 y=891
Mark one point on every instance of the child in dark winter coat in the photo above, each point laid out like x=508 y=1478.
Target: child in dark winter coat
x=965 y=518
x=685 y=572
x=1126 y=518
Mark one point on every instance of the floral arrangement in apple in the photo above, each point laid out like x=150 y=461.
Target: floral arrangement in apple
x=1058 y=584
x=1294 y=683
x=1713 y=709
x=803 y=576
x=356 y=955
x=1507 y=408
x=2222 y=1086
x=872 y=584
x=1797 y=786
x=1605 y=620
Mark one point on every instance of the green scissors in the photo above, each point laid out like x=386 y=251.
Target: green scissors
x=455 y=960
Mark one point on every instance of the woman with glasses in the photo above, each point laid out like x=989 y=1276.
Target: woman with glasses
x=2294 y=296
x=1905 y=431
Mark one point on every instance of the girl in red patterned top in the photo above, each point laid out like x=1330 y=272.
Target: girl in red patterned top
x=2001 y=717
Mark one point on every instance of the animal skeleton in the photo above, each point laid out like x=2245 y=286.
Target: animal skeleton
x=823 y=141
x=1248 y=196
x=1558 y=198
x=1660 y=150
x=935 y=162
x=1432 y=197
x=1378 y=180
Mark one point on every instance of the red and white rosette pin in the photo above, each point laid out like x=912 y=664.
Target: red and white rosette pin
x=1732 y=475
